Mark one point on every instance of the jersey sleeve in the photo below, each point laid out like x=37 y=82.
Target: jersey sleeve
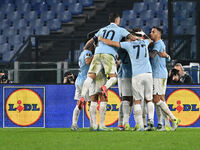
x=157 y=47
x=146 y=42
x=124 y=32
x=88 y=54
x=97 y=34
x=125 y=45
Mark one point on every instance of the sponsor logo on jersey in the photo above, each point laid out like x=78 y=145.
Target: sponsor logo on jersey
x=24 y=107
x=111 y=111
x=184 y=104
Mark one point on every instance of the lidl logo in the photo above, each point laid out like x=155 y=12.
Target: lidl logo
x=111 y=111
x=185 y=105
x=24 y=107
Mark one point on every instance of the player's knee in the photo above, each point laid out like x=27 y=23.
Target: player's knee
x=137 y=102
x=94 y=98
x=162 y=97
x=156 y=98
x=113 y=75
x=92 y=75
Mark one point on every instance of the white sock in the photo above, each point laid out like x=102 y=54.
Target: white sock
x=76 y=113
x=120 y=121
x=102 y=114
x=91 y=121
x=112 y=81
x=165 y=109
x=167 y=123
x=93 y=109
x=144 y=113
x=159 y=114
x=150 y=108
x=126 y=110
x=86 y=85
x=138 y=115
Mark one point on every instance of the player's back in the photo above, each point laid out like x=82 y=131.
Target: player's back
x=158 y=63
x=112 y=32
x=139 y=56
x=83 y=66
x=125 y=63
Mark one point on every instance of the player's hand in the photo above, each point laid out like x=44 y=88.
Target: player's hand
x=100 y=38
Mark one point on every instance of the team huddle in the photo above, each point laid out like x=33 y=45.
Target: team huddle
x=142 y=77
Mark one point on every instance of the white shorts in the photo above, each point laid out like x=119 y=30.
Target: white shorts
x=98 y=82
x=78 y=93
x=142 y=85
x=103 y=61
x=125 y=86
x=159 y=86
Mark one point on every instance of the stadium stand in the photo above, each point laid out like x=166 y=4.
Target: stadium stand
x=47 y=20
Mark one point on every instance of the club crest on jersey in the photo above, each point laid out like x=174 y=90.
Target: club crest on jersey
x=184 y=104
x=24 y=107
x=111 y=110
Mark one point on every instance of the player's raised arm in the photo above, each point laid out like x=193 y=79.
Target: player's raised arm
x=109 y=42
x=88 y=60
x=90 y=43
x=131 y=37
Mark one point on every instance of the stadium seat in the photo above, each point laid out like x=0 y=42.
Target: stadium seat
x=4 y=24
x=23 y=7
x=147 y=15
x=178 y=30
x=163 y=15
x=139 y=7
x=153 y=22
x=14 y=15
x=15 y=40
x=86 y=3
x=76 y=9
x=59 y=7
x=136 y=22
x=129 y=14
x=54 y=24
x=25 y=32
x=4 y=47
x=9 y=7
x=42 y=30
x=52 y=2
x=2 y=39
x=48 y=15
x=32 y=15
x=66 y=16
x=20 y=23
x=155 y=6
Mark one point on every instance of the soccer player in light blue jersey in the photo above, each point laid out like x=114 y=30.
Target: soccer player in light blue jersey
x=142 y=83
x=104 y=58
x=125 y=89
x=158 y=61
x=84 y=63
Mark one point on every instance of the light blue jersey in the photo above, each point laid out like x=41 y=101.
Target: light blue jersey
x=83 y=67
x=125 y=65
x=158 y=63
x=111 y=32
x=139 y=56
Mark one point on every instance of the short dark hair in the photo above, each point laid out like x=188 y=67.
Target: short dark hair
x=113 y=16
x=159 y=29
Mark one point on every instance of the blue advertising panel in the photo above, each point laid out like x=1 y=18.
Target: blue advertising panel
x=51 y=106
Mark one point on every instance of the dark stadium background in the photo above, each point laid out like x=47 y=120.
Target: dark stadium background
x=42 y=39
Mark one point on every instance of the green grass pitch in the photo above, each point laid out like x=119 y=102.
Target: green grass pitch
x=64 y=139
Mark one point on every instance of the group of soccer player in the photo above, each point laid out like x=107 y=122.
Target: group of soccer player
x=142 y=77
